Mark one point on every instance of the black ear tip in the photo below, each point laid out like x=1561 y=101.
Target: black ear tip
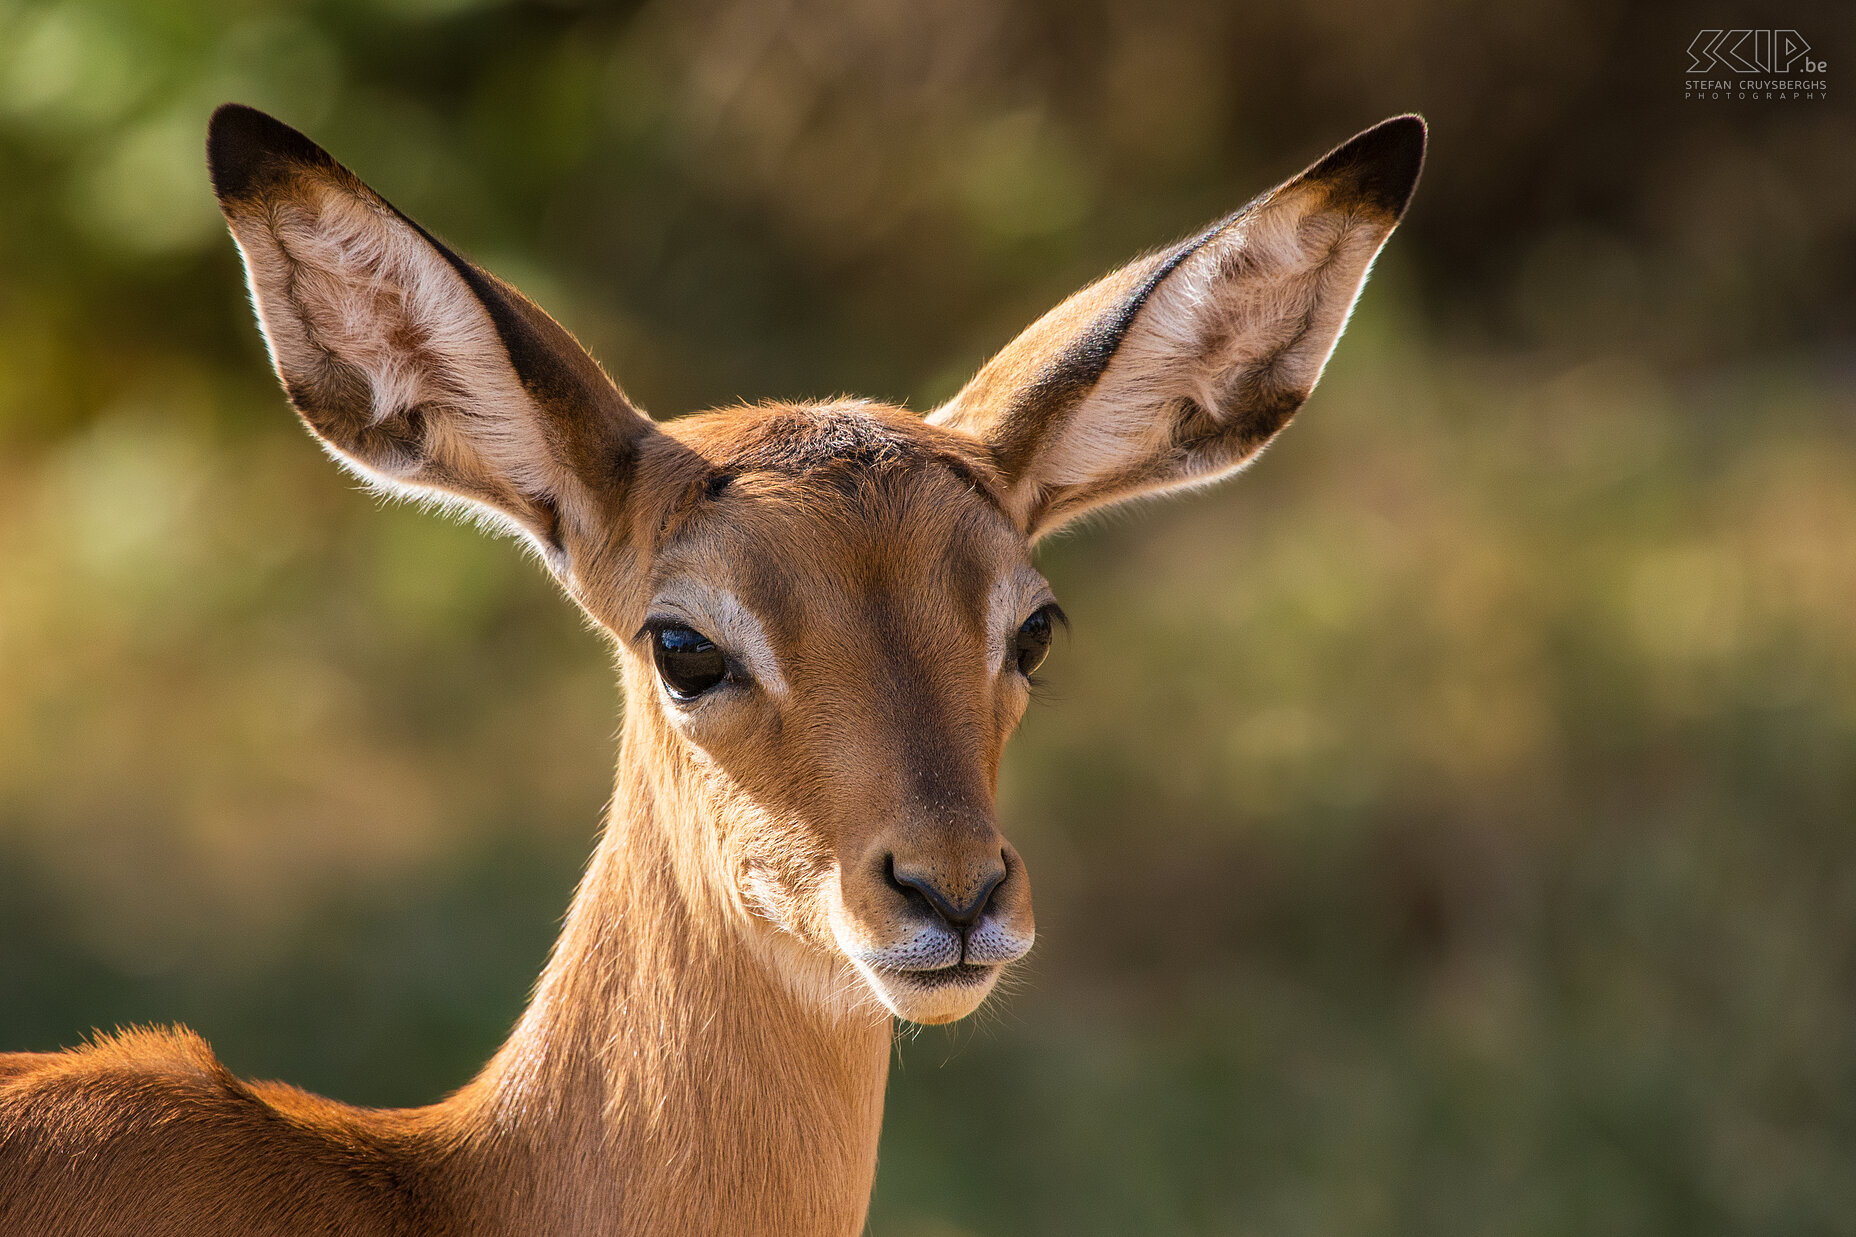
x=1380 y=165
x=246 y=150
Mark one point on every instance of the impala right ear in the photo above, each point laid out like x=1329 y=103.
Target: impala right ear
x=1177 y=369
x=423 y=372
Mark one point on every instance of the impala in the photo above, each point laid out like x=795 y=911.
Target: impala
x=826 y=616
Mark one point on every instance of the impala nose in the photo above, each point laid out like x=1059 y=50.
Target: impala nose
x=960 y=907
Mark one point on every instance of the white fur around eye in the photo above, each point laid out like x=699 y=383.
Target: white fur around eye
x=721 y=616
x=1013 y=598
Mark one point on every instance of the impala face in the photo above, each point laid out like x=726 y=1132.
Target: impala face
x=827 y=613
x=839 y=626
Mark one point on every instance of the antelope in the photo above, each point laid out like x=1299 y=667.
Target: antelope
x=825 y=617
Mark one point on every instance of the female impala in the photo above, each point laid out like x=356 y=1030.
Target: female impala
x=826 y=615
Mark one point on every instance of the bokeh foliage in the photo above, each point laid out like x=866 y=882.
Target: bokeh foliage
x=1446 y=828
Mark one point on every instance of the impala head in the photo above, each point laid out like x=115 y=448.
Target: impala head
x=827 y=614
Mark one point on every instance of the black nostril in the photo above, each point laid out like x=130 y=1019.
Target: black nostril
x=921 y=889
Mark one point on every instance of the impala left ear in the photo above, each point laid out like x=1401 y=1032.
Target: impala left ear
x=425 y=374
x=1178 y=368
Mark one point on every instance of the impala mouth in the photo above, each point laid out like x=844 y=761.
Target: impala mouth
x=960 y=975
x=931 y=995
x=934 y=976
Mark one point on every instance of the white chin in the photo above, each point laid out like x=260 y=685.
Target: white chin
x=931 y=997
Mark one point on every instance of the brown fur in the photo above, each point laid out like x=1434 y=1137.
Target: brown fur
x=707 y=1048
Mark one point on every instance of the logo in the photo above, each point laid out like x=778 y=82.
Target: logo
x=1763 y=64
x=1751 y=51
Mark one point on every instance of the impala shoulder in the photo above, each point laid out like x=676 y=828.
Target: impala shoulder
x=129 y=1093
x=152 y=1114
x=133 y=1059
x=151 y=1083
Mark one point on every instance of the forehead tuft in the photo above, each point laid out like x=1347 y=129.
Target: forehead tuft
x=860 y=487
x=800 y=440
x=845 y=437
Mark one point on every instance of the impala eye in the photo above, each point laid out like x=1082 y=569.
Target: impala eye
x=687 y=661
x=1034 y=639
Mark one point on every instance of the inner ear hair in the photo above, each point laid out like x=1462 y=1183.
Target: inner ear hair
x=1178 y=368
x=421 y=371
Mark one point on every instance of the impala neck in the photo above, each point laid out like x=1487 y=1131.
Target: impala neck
x=667 y=1078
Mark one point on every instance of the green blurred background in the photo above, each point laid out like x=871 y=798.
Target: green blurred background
x=1448 y=828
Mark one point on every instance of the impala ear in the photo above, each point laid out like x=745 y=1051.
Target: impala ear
x=1177 y=369
x=418 y=369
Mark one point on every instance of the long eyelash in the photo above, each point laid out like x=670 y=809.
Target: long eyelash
x=1042 y=692
x=662 y=622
